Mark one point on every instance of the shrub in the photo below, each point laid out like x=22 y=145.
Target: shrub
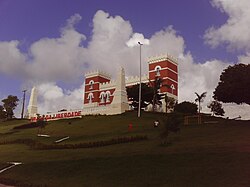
x=186 y=108
x=40 y=146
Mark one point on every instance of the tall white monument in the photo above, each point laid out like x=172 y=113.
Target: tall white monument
x=32 y=107
x=120 y=101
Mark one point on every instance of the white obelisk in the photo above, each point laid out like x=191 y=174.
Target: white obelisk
x=32 y=107
x=120 y=101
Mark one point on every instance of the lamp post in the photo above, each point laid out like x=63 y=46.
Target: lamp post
x=23 y=103
x=139 y=107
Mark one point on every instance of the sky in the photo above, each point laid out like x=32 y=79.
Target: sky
x=52 y=44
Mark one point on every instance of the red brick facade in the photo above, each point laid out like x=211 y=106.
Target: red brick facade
x=165 y=68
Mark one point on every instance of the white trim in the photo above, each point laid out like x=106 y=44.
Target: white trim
x=91 y=81
x=164 y=69
x=168 y=58
x=93 y=84
x=168 y=79
x=108 y=88
x=91 y=91
x=97 y=75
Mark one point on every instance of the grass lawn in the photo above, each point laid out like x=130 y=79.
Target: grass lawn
x=211 y=154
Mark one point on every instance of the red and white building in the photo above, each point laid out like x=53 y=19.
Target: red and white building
x=105 y=96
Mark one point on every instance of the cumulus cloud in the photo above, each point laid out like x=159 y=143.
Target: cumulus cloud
x=245 y=59
x=235 y=32
x=12 y=61
x=113 y=44
x=59 y=58
x=235 y=35
x=137 y=37
x=198 y=78
x=53 y=98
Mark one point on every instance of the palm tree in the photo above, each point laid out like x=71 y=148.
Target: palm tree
x=199 y=99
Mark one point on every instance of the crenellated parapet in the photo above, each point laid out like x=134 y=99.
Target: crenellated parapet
x=132 y=80
x=160 y=58
x=107 y=85
x=98 y=73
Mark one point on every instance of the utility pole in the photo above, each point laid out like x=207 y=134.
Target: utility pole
x=139 y=107
x=23 y=103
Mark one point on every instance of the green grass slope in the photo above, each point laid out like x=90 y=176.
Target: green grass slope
x=211 y=154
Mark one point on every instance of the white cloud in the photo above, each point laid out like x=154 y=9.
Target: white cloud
x=137 y=37
x=53 y=98
x=111 y=45
x=245 y=59
x=233 y=110
x=12 y=61
x=235 y=32
x=198 y=78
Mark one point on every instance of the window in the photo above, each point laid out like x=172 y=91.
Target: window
x=157 y=70
x=102 y=97
x=91 y=83
x=90 y=97
x=107 y=96
x=172 y=88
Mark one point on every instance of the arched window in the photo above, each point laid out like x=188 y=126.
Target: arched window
x=157 y=70
x=172 y=88
x=91 y=83
x=102 y=97
x=108 y=96
x=90 y=97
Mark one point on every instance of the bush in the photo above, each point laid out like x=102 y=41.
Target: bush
x=40 y=146
x=27 y=126
x=186 y=108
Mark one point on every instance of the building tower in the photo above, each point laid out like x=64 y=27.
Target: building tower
x=92 y=87
x=32 y=107
x=166 y=68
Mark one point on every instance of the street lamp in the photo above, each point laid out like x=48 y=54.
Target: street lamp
x=139 y=107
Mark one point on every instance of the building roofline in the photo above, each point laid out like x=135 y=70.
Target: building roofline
x=160 y=58
x=97 y=73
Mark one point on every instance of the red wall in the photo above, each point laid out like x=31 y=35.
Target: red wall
x=165 y=73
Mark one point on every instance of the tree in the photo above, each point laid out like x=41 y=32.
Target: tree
x=146 y=97
x=186 y=108
x=199 y=99
x=2 y=112
x=9 y=105
x=170 y=103
x=234 y=85
x=157 y=96
x=216 y=108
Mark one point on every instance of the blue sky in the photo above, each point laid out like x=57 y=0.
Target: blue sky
x=29 y=21
x=205 y=35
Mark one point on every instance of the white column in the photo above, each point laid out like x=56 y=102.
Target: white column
x=120 y=100
x=32 y=107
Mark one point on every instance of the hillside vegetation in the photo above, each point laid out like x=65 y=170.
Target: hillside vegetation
x=215 y=153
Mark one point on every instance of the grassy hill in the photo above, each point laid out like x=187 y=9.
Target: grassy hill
x=211 y=154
